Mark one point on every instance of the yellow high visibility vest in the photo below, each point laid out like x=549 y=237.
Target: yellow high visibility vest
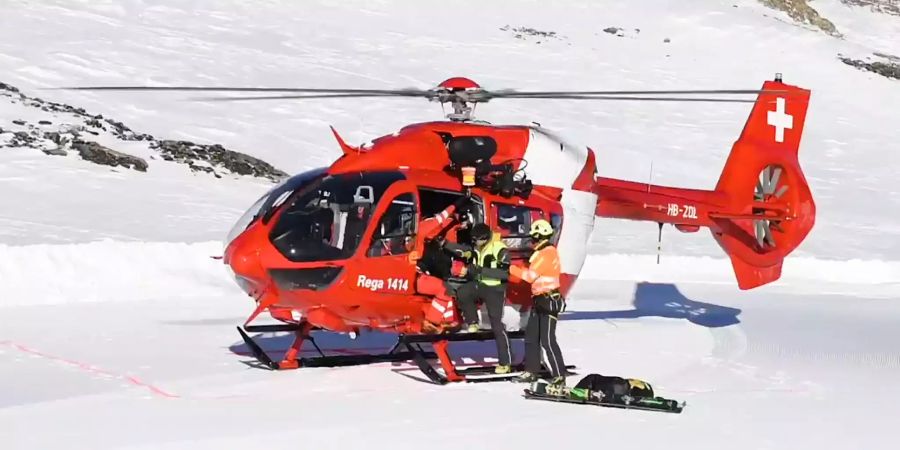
x=492 y=248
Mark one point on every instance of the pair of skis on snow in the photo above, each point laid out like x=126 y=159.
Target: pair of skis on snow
x=619 y=401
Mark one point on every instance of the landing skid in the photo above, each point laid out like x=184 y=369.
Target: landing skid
x=324 y=360
x=413 y=351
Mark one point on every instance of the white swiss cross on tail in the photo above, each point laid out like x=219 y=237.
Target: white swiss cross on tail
x=780 y=120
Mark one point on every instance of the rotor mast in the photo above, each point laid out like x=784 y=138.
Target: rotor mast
x=460 y=92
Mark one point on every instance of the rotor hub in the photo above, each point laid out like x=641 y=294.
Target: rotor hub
x=462 y=93
x=459 y=83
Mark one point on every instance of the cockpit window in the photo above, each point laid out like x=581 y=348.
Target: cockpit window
x=281 y=193
x=326 y=220
x=271 y=200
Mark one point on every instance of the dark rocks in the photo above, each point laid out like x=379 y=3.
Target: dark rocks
x=124 y=133
x=885 y=69
x=22 y=139
x=801 y=12
x=55 y=151
x=527 y=32
x=617 y=31
x=58 y=138
x=888 y=57
x=189 y=153
x=199 y=158
x=882 y=6
x=96 y=153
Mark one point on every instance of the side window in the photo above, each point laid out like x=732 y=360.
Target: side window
x=396 y=230
x=556 y=221
x=514 y=222
x=434 y=201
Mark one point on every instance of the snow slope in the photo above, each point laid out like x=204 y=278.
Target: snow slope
x=116 y=326
x=361 y=44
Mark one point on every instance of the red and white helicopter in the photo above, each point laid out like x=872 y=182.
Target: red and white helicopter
x=333 y=248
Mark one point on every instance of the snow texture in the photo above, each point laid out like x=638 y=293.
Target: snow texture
x=117 y=325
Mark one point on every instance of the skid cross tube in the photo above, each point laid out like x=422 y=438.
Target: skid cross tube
x=459 y=337
x=293 y=362
x=477 y=374
x=408 y=348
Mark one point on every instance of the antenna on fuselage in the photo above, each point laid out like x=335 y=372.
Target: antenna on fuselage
x=659 y=243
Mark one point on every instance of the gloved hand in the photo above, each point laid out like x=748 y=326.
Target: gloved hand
x=460 y=202
x=473 y=271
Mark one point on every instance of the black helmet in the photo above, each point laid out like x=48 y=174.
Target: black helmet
x=480 y=231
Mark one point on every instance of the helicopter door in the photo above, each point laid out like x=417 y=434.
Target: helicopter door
x=513 y=221
x=386 y=266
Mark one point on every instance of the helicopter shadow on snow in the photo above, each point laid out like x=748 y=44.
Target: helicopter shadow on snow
x=665 y=300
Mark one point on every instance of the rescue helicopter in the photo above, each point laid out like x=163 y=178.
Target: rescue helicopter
x=335 y=248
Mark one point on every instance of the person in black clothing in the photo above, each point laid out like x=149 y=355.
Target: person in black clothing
x=488 y=275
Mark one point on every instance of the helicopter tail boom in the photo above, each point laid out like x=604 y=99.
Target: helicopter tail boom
x=761 y=208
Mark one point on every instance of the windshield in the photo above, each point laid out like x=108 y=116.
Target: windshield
x=271 y=200
x=327 y=220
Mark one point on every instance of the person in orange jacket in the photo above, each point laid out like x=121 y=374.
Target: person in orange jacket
x=441 y=311
x=543 y=273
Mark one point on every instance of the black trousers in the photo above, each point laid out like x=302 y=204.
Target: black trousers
x=541 y=334
x=494 y=297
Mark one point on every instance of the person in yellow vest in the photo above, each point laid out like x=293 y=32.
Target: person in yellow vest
x=543 y=273
x=488 y=276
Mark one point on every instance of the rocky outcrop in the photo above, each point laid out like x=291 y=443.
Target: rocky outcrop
x=56 y=138
x=891 y=7
x=527 y=33
x=889 y=68
x=800 y=11
x=189 y=153
x=615 y=30
x=98 y=154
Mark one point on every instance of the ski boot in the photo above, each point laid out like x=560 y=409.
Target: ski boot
x=470 y=328
x=557 y=386
x=501 y=369
x=526 y=377
x=539 y=387
x=553 y=388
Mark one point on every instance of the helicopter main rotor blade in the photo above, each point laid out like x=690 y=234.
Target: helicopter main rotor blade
x=413 y=92
x=467 y=96
x=313 y=96
x=652 y=92
x=289 y=97
x=401 y=92
x=654 y=99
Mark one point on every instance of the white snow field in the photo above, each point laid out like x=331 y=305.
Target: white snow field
x=117 y=326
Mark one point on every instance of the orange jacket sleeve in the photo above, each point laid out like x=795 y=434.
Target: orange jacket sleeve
x=433 y=225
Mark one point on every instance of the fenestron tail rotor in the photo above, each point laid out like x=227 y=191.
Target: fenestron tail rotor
x=767 y=190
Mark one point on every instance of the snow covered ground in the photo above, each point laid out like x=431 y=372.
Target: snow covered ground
x=117 y=328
